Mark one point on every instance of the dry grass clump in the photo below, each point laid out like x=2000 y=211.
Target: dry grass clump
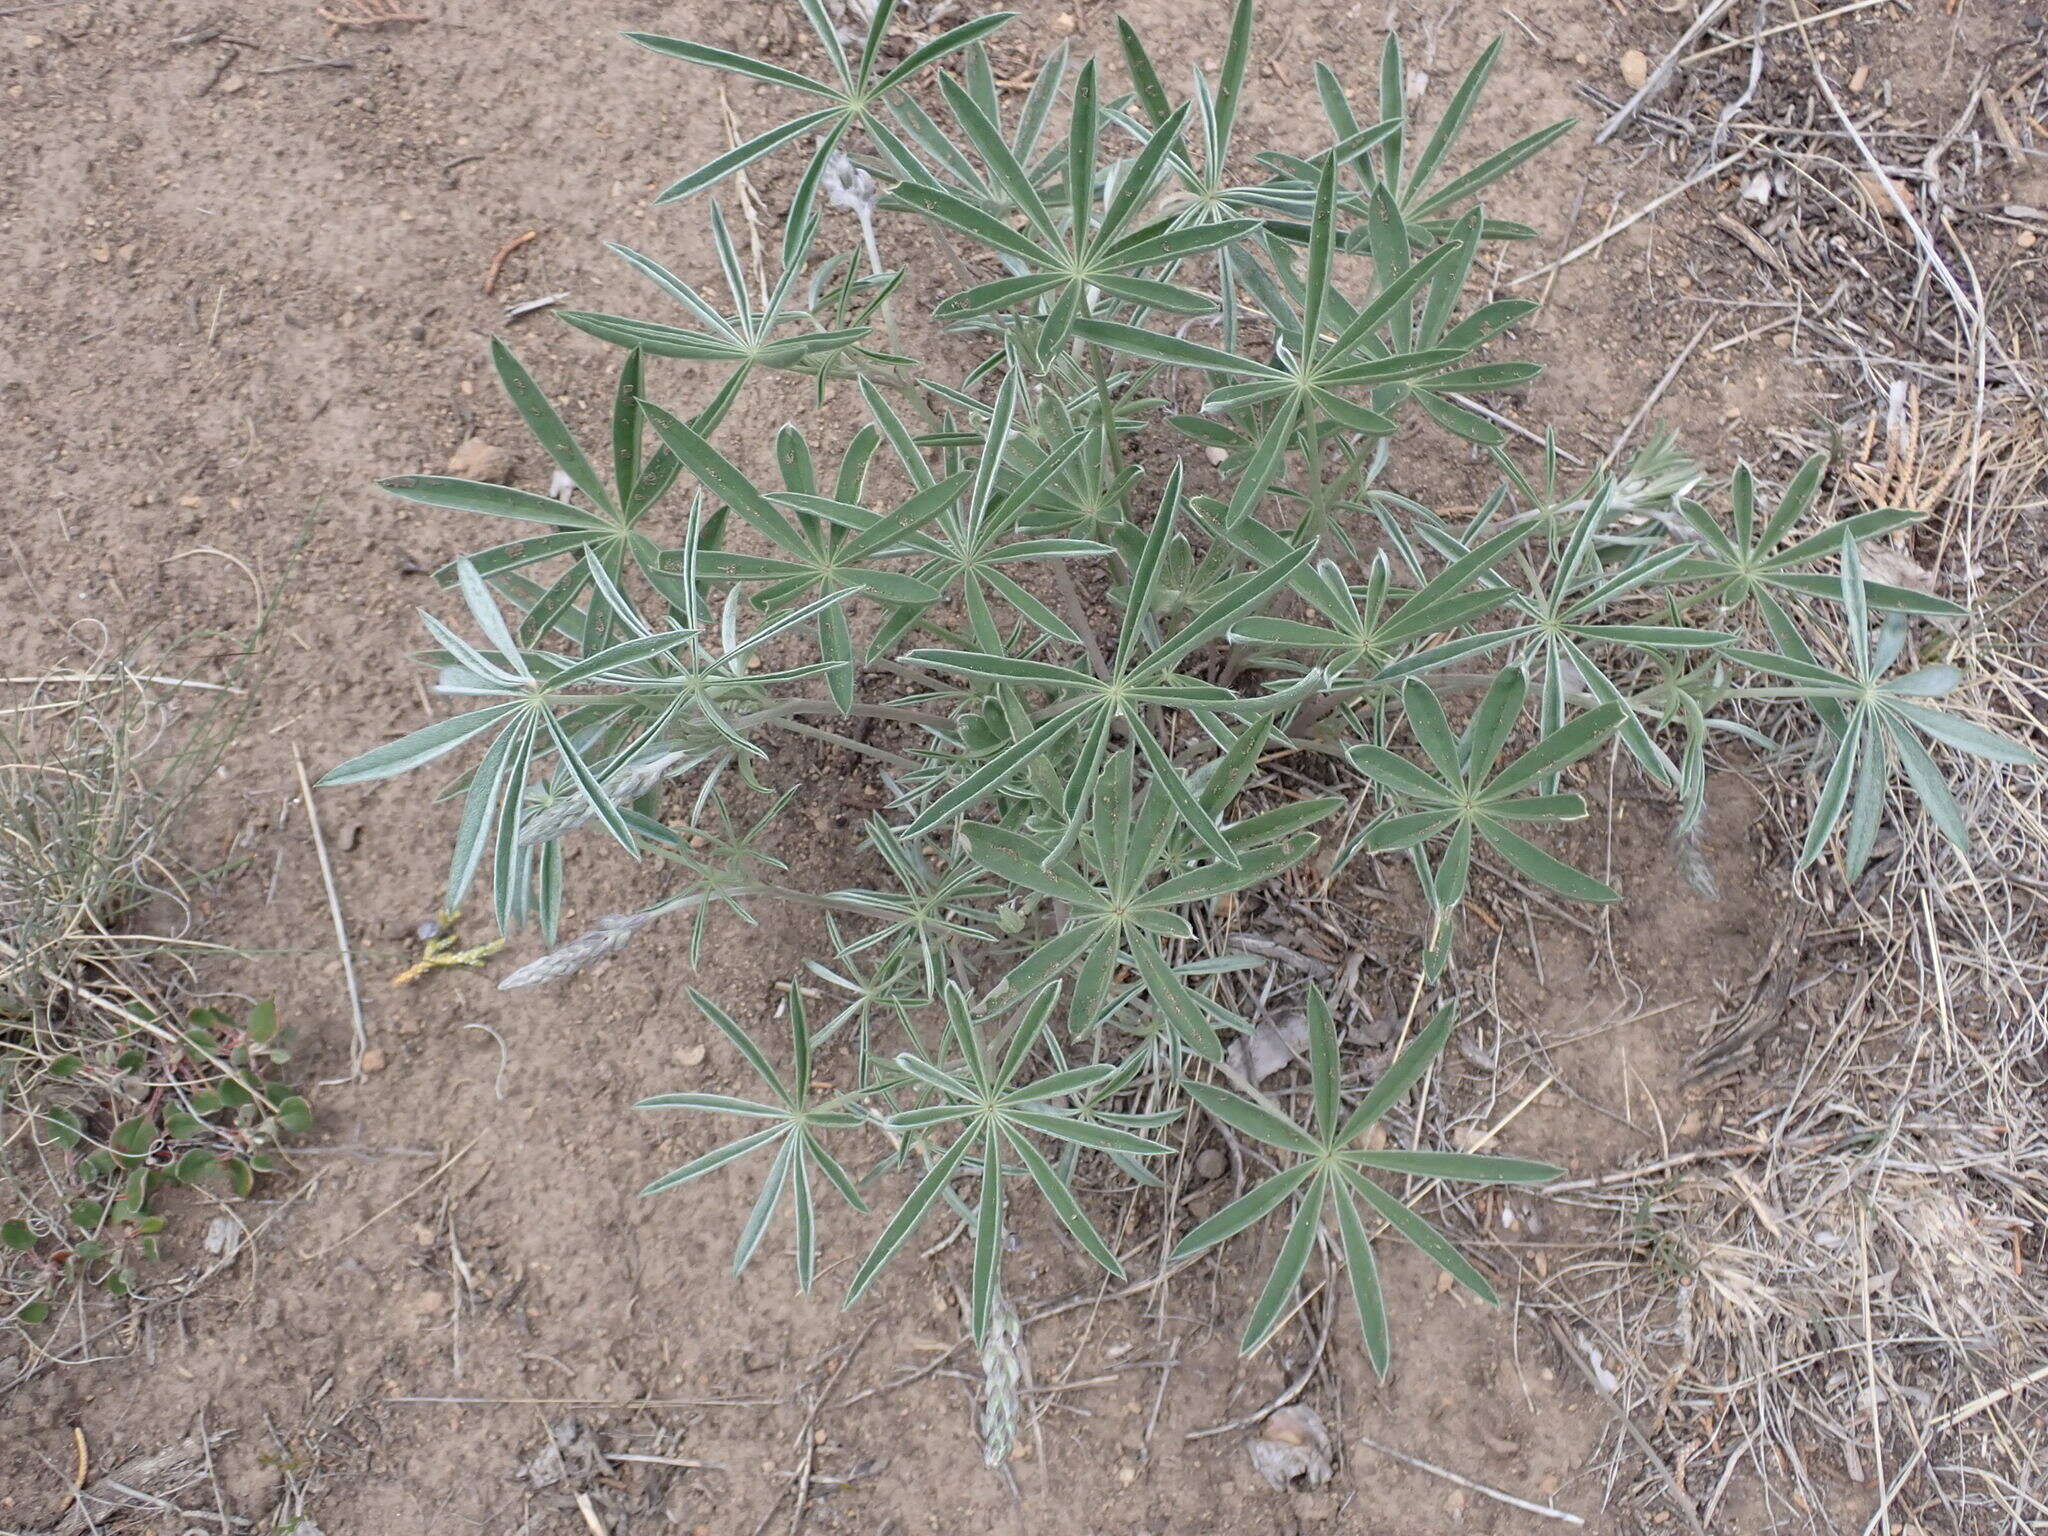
x=83 y=828
x=97 y=768
x=1850 y=1301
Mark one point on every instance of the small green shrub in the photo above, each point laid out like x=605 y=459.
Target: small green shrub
x=143 y=1109
x=1027 y=997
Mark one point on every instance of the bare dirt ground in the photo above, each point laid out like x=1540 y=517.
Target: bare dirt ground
x=244 y=274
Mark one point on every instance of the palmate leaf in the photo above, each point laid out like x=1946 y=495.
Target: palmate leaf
x=1576 y=625
x=851 y=100
x=658 y=694
x=922 y=152
x=827 y=548
x=1123 y=882
x=1212 y=195
x=1323 y=1169
x=1330 y=346
x=608 y=530
x=1757 y=560
x=880 y=1000
x=749 y=337
x=928 y=909
x=982 y=1113
x=973 y=540
x=1373 y=634
x=533 y=688
x=1421 y=187
x=1070 y=257
x=787 y=1129
x=726 y=862
x=1876 y=727
x=1465 y=791
x=1141 y=680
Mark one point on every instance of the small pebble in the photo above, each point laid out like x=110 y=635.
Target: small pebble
x=1635 y=68
x=478 y=460
x=373 y=1060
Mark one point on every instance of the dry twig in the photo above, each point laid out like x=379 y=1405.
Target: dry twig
x=498 y=261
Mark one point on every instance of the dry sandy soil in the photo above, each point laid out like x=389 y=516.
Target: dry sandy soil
x=235 y=291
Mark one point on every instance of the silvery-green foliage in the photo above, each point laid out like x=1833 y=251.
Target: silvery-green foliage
x=1022 y=999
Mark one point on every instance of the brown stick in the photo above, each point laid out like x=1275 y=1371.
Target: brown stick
x=498 y=261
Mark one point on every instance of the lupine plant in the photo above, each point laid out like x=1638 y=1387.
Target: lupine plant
x=1072 y=588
